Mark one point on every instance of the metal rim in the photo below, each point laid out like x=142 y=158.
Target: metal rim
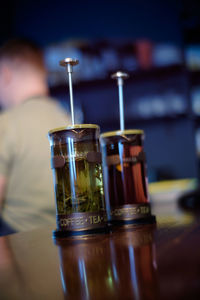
x=75 y=126
x=121 y=132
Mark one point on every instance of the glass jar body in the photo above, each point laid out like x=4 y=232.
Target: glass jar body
x=78 y=180
x=125 y=179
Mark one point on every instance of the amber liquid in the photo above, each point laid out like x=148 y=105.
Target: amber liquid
x=125 y=183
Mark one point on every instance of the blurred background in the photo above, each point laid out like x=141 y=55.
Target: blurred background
x=156 y=42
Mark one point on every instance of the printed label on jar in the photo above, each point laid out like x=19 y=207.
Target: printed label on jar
x=130 y=212
x=116 y=160
x=81 y=221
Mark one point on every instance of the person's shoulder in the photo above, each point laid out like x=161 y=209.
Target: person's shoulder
x=34 y=108
x=11 y=115
x=51 y=102
x=41 y=102
x=52 y=106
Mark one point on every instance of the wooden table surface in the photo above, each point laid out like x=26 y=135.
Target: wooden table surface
x=159 y=261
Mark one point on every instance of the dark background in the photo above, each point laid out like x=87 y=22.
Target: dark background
x=50 y=21
x=170 y=141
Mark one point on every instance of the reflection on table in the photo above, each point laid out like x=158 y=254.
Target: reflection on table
x=99 y=267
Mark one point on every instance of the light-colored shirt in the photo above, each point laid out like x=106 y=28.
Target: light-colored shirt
x=25 y=162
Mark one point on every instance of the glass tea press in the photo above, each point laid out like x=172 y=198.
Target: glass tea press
x=77 y=173
x=124 y=168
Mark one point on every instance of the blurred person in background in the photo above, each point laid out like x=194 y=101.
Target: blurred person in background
x=26 y=183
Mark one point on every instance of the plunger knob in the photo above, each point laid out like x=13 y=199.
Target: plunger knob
x=69 y=63
x=120 y=76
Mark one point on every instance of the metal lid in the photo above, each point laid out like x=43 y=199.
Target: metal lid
x=121 y=132
x=75 y=126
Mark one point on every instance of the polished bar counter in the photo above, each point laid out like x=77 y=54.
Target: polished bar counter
x=155 y=261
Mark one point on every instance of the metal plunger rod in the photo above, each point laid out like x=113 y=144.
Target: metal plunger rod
x=69 y=63
x=120 y=76
x=121 y=103
x=71 y=97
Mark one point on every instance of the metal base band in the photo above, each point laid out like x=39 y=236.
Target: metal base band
x=140 y=221
x=130 y=212
x=81 y=221
x=63 y=234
